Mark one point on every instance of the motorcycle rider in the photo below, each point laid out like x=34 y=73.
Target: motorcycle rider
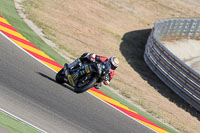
x=113 y=61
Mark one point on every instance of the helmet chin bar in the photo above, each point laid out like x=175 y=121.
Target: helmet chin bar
x=114 y=62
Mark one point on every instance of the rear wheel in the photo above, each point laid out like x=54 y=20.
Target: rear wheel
x=86 y=87
x=60 y=76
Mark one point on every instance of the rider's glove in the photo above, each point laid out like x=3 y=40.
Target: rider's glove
x=106 y=79
x=106 y=82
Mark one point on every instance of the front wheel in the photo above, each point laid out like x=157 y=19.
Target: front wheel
x=60 y=76
x=86 y=87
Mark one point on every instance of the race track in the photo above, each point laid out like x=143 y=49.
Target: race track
x=28 y=90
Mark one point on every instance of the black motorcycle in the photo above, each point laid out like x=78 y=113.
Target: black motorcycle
x=88 y=80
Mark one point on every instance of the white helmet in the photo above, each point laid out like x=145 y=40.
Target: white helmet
x=114 y=62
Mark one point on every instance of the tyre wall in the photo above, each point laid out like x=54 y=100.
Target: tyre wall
x=182 y=79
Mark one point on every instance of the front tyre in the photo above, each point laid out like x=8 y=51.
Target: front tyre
x=60 y=76
x=86 y=87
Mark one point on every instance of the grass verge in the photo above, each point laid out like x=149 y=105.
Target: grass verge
x=7 y=9
x=14 y=125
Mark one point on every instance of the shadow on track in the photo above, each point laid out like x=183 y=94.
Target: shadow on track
x=132 y=48
x=49 y=78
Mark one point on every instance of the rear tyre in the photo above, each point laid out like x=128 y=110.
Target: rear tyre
x=86 y=87
x=60 y=76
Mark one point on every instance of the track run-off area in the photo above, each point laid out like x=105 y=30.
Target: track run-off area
x=29 y=91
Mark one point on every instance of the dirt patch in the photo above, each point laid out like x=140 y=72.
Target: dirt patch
x=121 y=28
x=38 y=30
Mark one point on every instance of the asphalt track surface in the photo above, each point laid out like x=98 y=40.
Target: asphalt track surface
x=29 y=91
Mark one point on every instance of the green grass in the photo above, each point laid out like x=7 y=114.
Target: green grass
x=14 y=125
x=132 y=107
x=8 y=11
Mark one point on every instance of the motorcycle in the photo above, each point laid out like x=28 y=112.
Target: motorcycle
x=87 y=80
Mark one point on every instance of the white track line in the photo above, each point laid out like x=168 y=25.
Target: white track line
x=87 y=91
x=25 y=122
